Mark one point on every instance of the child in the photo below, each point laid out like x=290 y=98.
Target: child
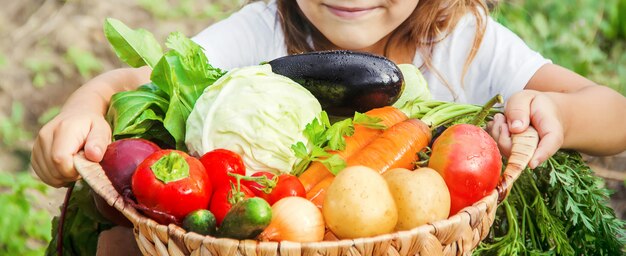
x=464 y=54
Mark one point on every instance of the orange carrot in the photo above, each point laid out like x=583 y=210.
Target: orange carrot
x=318 y=192
x=362 y=136
x=396 y=147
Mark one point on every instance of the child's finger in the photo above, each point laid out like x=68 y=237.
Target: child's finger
x=97 y=140
x=517 y=111
x=40 y=156
x=548 y=145
x=493 y=126
x=38 y=163
x=551 y=139
x=67 y=142
x=504 y=141
x=46 y=176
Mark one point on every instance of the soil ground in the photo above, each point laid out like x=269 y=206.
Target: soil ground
x=42 y=42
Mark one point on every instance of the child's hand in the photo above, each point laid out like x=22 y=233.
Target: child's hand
x=524 y=108
x=60 y=139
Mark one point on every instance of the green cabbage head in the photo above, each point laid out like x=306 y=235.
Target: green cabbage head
x=255 y=113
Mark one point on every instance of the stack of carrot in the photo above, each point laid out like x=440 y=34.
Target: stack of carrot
x=395 y=147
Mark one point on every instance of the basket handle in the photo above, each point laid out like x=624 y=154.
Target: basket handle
x=524 y=145
x=94 y=175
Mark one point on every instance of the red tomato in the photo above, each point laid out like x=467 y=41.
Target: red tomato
x=286 y=185
x=469 y=161
x=219 y=162
x=224 y=198
x=172 y=182
x=258 y=187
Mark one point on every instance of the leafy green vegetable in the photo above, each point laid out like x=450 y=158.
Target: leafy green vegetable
x=83 y=224
x=135 y=47
x=558 y=208
x=158 y=111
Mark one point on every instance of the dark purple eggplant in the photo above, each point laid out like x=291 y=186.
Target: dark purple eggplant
x=344 y=81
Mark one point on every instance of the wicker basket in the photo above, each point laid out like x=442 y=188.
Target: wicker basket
x=457 y=235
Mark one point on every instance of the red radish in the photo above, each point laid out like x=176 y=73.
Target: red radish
x=469 y=161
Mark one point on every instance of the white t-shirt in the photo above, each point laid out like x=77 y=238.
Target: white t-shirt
x=503 y=64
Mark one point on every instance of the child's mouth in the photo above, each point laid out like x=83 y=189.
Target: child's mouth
x=349 y=12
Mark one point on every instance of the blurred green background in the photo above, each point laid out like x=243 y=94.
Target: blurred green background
x=50 y=47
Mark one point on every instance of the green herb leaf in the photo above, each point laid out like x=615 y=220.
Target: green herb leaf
x=135 y=47
x=315 y=131
x=300 y=150
x=558 y=208
x=369 y=122
x=335 y=134
x=334 y=163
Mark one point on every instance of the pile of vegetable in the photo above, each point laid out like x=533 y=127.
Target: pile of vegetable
x=252 y=153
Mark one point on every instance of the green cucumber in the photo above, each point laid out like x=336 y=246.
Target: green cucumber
x=200 y=221
x=246 y=220
x=344 y=81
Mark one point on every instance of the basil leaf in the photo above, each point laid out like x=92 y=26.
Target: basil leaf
x=135 y=47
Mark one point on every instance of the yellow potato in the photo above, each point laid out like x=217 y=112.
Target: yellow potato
x=359 y=204
x=421 y=196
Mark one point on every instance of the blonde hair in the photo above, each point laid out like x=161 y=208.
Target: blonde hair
x=430 y=22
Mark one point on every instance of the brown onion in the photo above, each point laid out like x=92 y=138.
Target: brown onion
x=294 y=219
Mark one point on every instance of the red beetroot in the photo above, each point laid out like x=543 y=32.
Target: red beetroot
x=122 y=157
x=119 y=162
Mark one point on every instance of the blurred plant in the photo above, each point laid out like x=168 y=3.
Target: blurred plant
x=165 y=9
x=41 y=66
x=84 y=61
x=46 y=116
x=12 y=130
x=3 y=60
x=615 y=26
x=24 y=230
x=589 y=40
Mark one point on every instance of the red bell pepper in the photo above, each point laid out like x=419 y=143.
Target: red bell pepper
x=171 y=182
